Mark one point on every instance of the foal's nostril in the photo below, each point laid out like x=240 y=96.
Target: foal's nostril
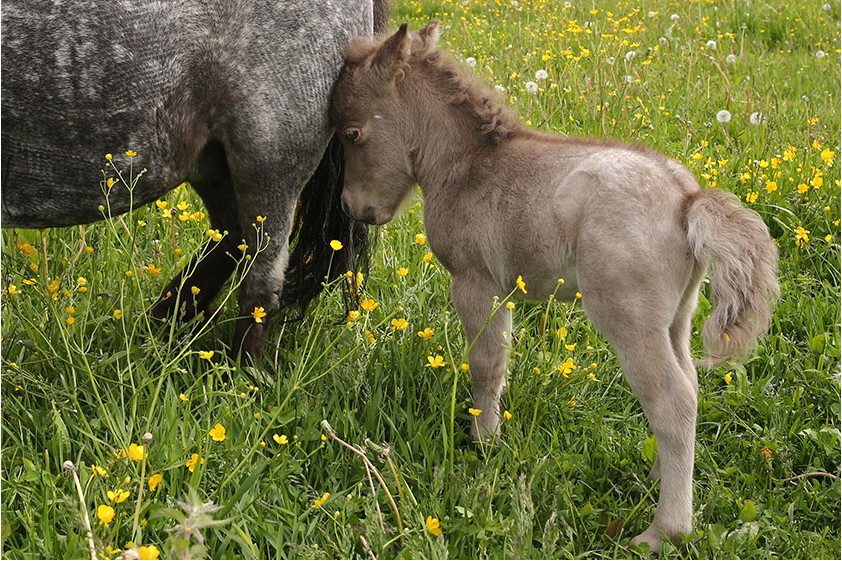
x=368 y=216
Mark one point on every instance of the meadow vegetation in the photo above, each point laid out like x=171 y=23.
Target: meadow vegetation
x=746 y=94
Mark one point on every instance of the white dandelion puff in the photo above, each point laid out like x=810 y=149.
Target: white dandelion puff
x=820 y=54
x=731 y=59
x=541 y=75
x=471 y=61
x=710 y=45
x=630 y=55
x=675 y=17
x=756 y=118
x=724 y=116
x=628 y=78
x=500 y=89
x=531 y=87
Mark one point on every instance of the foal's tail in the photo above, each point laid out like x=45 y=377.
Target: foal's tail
x=744 y=284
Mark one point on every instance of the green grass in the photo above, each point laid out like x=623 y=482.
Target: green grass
x=558 y=475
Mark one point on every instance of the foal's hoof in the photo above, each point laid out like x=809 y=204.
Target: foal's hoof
x=654 y=536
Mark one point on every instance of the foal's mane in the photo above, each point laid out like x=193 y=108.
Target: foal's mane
x=427 y=62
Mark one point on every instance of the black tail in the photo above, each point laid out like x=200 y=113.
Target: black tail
x=319 y=219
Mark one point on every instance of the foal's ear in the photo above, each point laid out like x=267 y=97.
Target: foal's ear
x=429 y=34
x=392 y=54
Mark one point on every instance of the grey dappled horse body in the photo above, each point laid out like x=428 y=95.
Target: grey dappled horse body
x=230 y=95
x=628 y=227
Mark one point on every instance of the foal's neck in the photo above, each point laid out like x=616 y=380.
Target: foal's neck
x=443 y=140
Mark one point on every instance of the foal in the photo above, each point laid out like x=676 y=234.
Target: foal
x=627 y=227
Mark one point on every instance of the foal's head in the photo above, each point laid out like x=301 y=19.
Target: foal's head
x=369 y=116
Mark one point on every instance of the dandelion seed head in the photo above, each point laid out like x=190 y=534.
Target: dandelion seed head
x=471 y=61
x=731 y=59
x=531 y=87
x=630 y=55
x=724 y=116
x=710 y=45
x=756 y=118
x=541 y=74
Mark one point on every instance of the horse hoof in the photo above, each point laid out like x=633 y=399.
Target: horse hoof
x=249 y=339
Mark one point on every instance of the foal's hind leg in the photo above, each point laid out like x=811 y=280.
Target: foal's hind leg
x=639 y=333
x=216 y=265
x=680 y=332
x=473 y=296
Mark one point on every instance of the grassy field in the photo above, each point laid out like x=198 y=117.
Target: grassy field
x=85 y=375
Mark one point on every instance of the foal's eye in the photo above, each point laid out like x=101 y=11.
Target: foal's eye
x=352 y=134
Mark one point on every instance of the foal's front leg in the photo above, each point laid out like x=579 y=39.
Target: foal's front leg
x=473 y=297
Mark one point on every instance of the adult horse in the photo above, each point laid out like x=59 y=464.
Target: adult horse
x=230 y=95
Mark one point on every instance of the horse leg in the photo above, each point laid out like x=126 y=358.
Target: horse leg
x=640 y=336
x=473 y=297
x=209 y=271
x=679 y=333
x=267 y=182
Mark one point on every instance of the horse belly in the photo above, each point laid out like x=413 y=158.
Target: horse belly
x=77 y=83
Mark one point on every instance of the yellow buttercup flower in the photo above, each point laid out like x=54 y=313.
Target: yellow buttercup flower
x=399 y=324
x=280 y=438
x=567 y=367
x=207 y=355
x=117 y=496
x=727 y=377
x=320 y=501
x=192 y=461
x=131 y=153
x=520 y=284
x=402 y=272
x=420 y=239
x=154 y=481
x=335 y=245
x=105 y=514
x=258 y=314
x=474 y=412
x=433 y=526
x=368 y=305
x=507 y=416
x=148 y=552
x=427 y=333
x=100 y=471
x=261 y=219
x=436 y=362
x=137 y=453
x=217 y=432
